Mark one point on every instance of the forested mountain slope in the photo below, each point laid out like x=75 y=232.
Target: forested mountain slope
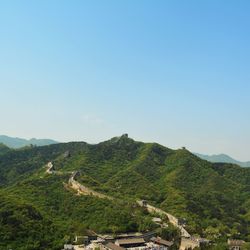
x=214 y=198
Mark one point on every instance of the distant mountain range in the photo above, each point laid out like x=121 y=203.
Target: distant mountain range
x=15 y=142
x=223 y=158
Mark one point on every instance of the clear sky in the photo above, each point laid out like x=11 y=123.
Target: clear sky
x=173 y=72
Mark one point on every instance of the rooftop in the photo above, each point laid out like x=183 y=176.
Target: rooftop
x=113 y=246
x=161 y=241
x=235 y=242
x=129 y=235
x=130 y=241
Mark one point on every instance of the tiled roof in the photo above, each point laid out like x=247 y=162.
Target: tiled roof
x=235 y=242
x=161 y=241
x=113 y=246
x=131 y=241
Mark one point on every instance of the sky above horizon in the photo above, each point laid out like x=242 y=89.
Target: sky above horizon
x=172 y=72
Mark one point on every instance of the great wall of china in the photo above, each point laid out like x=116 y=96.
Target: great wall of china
x=187 y=240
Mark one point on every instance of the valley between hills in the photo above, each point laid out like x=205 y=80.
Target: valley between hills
x=52 y=193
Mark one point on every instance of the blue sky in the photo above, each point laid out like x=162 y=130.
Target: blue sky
x=173 y=72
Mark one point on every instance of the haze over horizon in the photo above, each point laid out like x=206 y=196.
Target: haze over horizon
x=175 y=73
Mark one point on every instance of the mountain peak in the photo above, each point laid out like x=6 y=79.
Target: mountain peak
x=123 y=137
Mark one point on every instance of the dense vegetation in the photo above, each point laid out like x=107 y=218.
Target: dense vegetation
x=3 y=149
x=214 y=198
x=22 y=226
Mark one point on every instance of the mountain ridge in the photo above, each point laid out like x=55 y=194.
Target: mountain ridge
x=214 y=198
x=223 y=158
x=16 y=142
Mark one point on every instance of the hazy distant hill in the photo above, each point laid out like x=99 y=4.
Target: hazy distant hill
x=223 y=158
x=15 y=142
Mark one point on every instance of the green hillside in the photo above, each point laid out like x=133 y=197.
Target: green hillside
x=3 y=149
x=214 y=198
x=24 y=227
